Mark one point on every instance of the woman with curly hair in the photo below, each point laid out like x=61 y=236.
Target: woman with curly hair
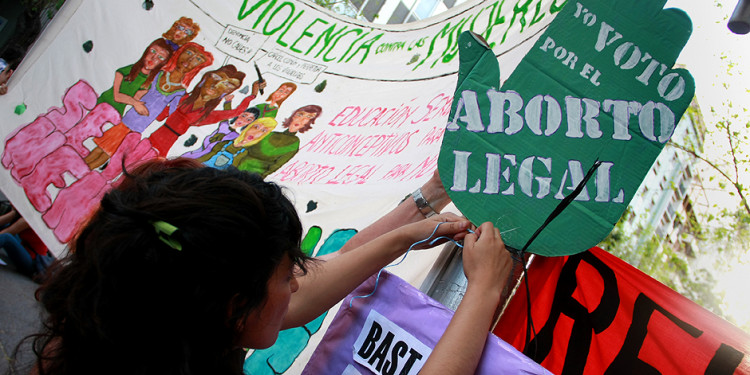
x=183 y=266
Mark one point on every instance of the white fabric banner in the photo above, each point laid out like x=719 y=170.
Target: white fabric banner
x=372 y=100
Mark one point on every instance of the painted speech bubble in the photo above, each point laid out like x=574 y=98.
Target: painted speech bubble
x=290 y=67
x=596 y=86
x=240 y=43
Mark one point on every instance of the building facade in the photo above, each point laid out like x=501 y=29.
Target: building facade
x=400 y=11
x=664 y=205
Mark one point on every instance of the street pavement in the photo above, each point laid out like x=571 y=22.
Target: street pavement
x=20 y=316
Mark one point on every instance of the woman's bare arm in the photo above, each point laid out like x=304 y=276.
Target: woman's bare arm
x=405 y=213
x=331 y=280
x=16 y=227
x=486 y=264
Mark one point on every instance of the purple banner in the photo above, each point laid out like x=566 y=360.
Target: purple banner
x=393 y=332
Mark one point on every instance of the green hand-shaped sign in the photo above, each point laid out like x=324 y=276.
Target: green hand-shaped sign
x=596 y=86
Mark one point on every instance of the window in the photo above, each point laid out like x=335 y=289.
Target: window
x=661 y=232
x=670 y=210
x=683 y=188
x=399 y=15
x=424 y=8
x=372 y=9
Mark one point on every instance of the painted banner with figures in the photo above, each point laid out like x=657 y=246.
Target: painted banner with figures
x=351 y=119
x=349 y=107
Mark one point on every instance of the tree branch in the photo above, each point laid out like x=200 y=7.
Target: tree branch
x=735 y=183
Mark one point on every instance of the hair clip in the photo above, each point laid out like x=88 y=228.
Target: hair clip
x=165 y=231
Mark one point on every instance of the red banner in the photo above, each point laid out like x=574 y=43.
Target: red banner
x=595 y=314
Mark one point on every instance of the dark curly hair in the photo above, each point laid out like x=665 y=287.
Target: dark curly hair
x=125 y=302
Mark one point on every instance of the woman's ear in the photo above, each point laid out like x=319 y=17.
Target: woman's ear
x=233 y=310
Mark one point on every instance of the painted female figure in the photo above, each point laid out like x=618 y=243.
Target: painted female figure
x=227 y=130
x=274 y=101
x=181 y=32
x=166 y=90
x=170 y=85
x=277 y=148
x=131 y=78
x=197 y=109
x=223 y=153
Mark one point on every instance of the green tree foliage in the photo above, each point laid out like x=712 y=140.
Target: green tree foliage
x=721 y=233
x=658 y=259
x=728 y=158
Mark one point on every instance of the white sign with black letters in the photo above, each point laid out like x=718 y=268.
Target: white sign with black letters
x=240 y=43
x=387 y=349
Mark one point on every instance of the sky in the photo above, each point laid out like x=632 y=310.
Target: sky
x=710 y=41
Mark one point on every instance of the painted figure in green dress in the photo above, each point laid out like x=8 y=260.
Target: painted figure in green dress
x=277 y=148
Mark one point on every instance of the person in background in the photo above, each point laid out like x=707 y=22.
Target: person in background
x=21 y=244
x=4 y=76
x=8 y=64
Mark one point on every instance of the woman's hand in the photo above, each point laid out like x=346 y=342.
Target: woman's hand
x=487 y=263
x=448 y=225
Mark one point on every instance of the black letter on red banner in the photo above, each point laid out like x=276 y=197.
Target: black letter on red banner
x=585 y=323
x=627 y=361
x=725 y=361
